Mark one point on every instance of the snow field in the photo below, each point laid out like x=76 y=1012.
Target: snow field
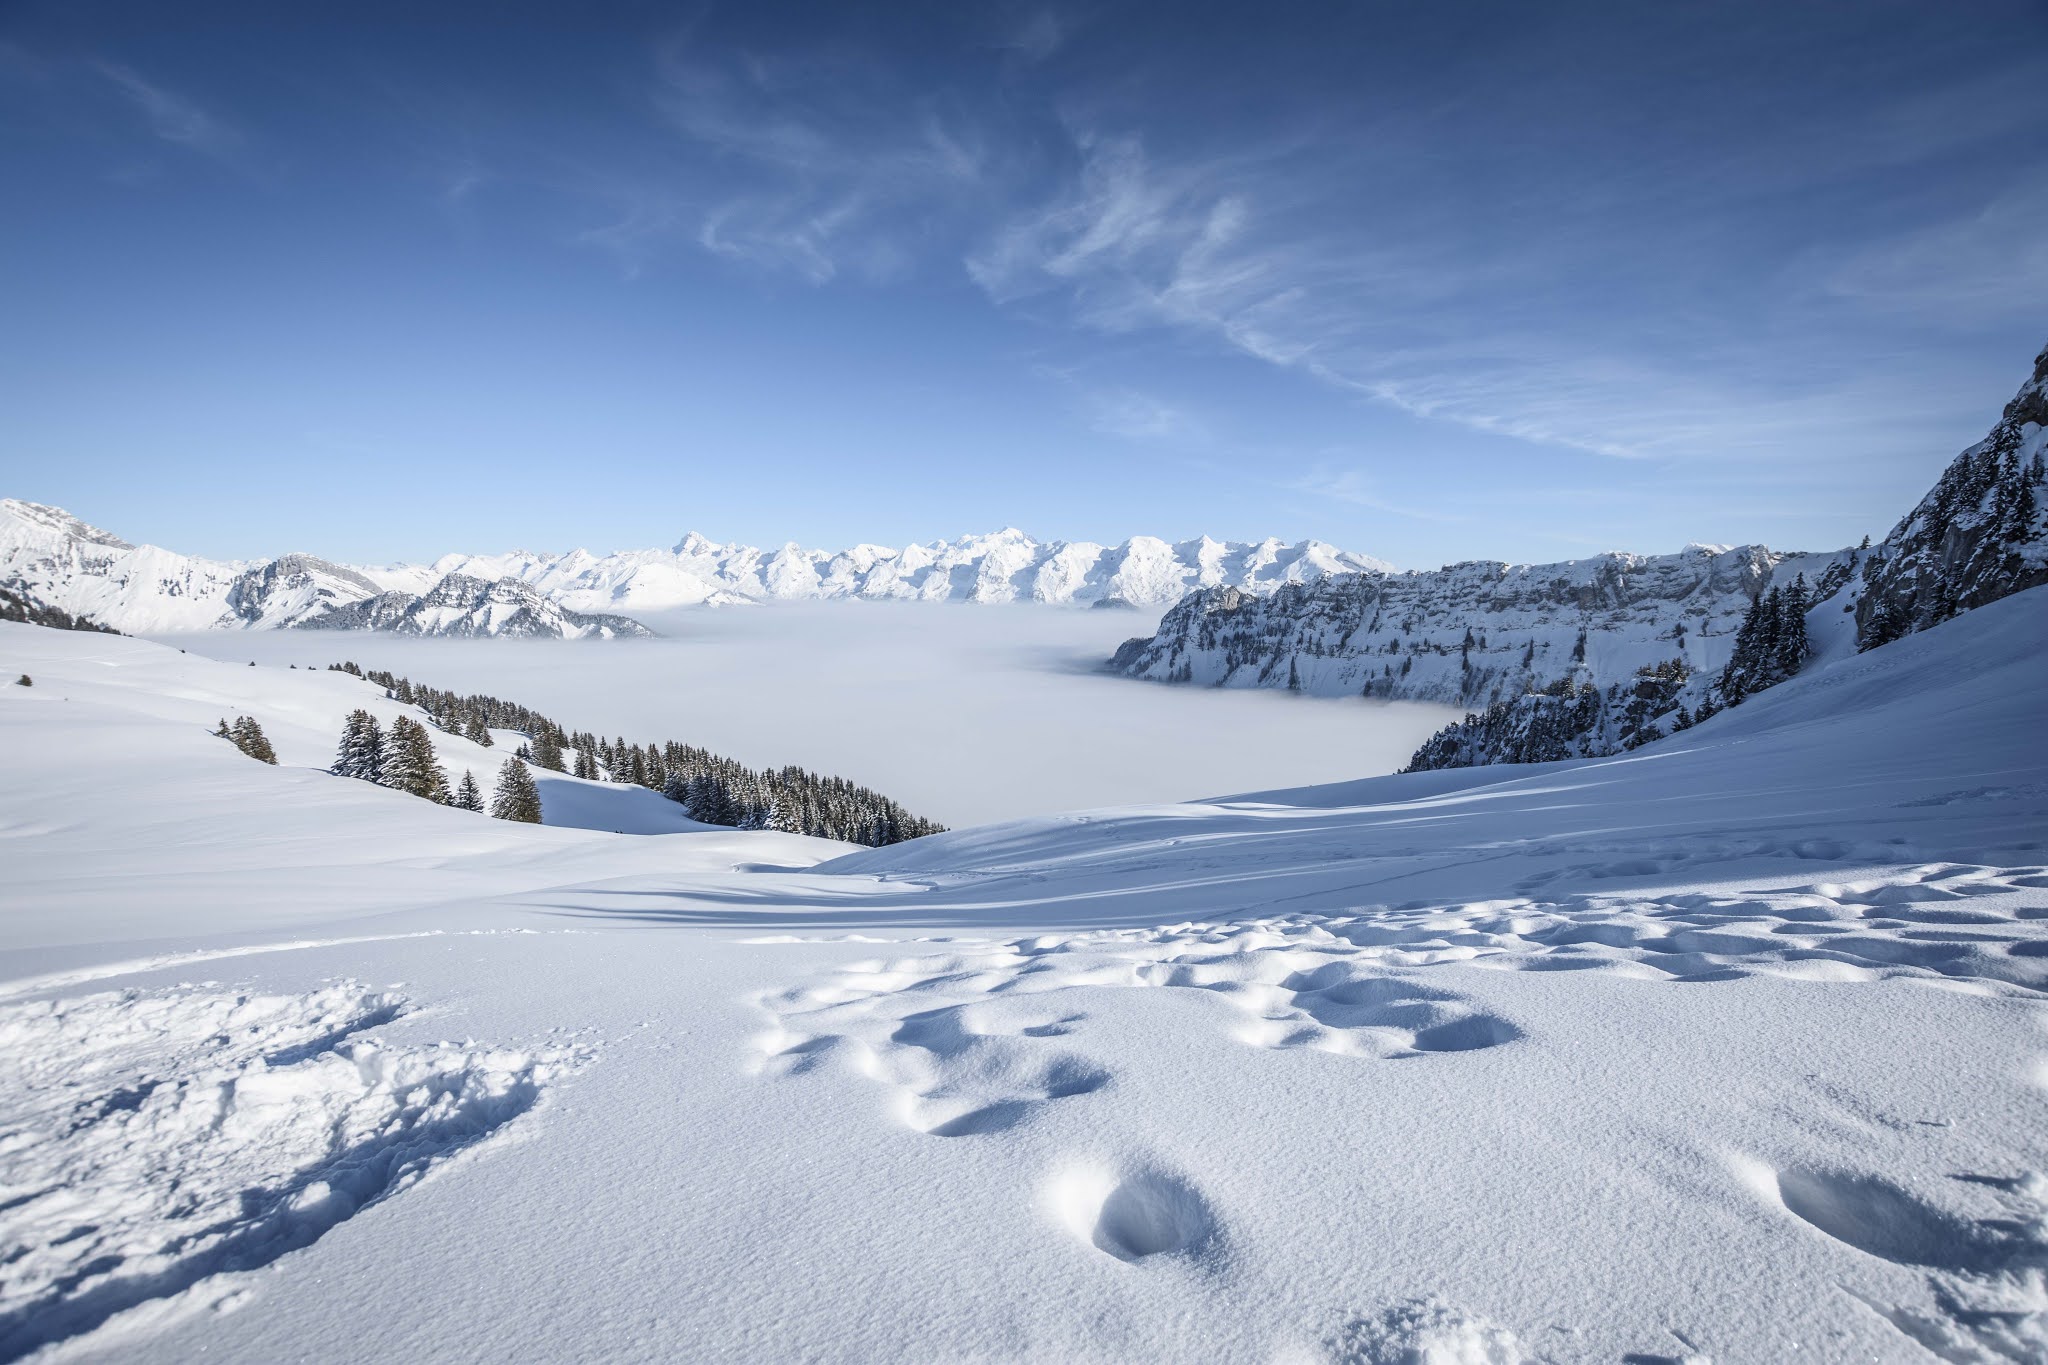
x=1734 y=1049
x=977 y=1043
x=163 y=1141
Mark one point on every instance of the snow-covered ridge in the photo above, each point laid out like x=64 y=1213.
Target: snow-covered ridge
x=1008 y=566
x=1483 y=633
x=61 y=561
x=67 y=563
x=1473 y=632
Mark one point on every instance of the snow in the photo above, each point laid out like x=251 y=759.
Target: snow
x=145 y=590
x=185 y=1138
x=1730 y=1049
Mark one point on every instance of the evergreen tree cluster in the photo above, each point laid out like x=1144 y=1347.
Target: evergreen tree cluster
x=404 y=760
x=1770 y=645
x=473 y=717
x=1567 y=719
x=711 y=789
x=17 y=603
x=248 y=736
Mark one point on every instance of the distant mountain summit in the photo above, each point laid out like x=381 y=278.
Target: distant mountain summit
x=58 y=561
x=79 y=568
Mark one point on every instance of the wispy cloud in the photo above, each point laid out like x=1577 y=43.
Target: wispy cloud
x=645 y=220
x=173 y=117
x=1128 y=245
x=1429 y=317
x=1038 y=36
x=1137 y=416
x=1991 y=261
x=1359 y=490
x=819 y=161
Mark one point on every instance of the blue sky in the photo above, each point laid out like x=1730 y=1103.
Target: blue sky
x=1430 y=282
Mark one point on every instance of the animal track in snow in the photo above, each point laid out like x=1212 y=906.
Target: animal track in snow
x=1989 y=1275
x=1136 y=1212
x=1880 y=1219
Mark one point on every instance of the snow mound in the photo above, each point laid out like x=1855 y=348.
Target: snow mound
x=1426 y=1332
x=156 y=1140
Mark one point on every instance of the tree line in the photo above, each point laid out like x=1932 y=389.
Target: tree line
x=404 y=760
x=17 y=603
x=710 y=788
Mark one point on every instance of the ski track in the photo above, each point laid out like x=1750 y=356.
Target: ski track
x=153 y=1143
x=968 y=1053
x=59 y=981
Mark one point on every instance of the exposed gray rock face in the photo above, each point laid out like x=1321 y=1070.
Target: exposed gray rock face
x=461 y=607
x=1468 y=633
x=286 y=591
x=1980 y=534
x=1596 y=656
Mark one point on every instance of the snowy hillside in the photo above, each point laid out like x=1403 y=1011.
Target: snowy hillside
x=96 y=689
x=1732 y=1049
x=145 y=590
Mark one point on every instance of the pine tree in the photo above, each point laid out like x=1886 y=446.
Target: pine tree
x=517 y=798
x=547 y=749
x=1886 y=624
x=249 y=738
x=468 y=796
x=223 y=732
x=1791 y=642
x=24 y=681
x=475 y=731
x=409 y=763
x=361 y=754
x=586 y=765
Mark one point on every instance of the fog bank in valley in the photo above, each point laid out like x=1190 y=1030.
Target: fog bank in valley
x=965 y=714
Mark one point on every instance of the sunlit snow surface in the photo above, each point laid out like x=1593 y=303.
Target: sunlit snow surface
x=1732 y=1049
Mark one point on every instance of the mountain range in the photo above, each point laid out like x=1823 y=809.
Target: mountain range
x=71 y=565
x=1592 y=656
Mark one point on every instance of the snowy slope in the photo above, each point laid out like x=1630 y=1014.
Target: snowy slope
x=80 y=568
x=104 y=693
x=1735 y=1048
